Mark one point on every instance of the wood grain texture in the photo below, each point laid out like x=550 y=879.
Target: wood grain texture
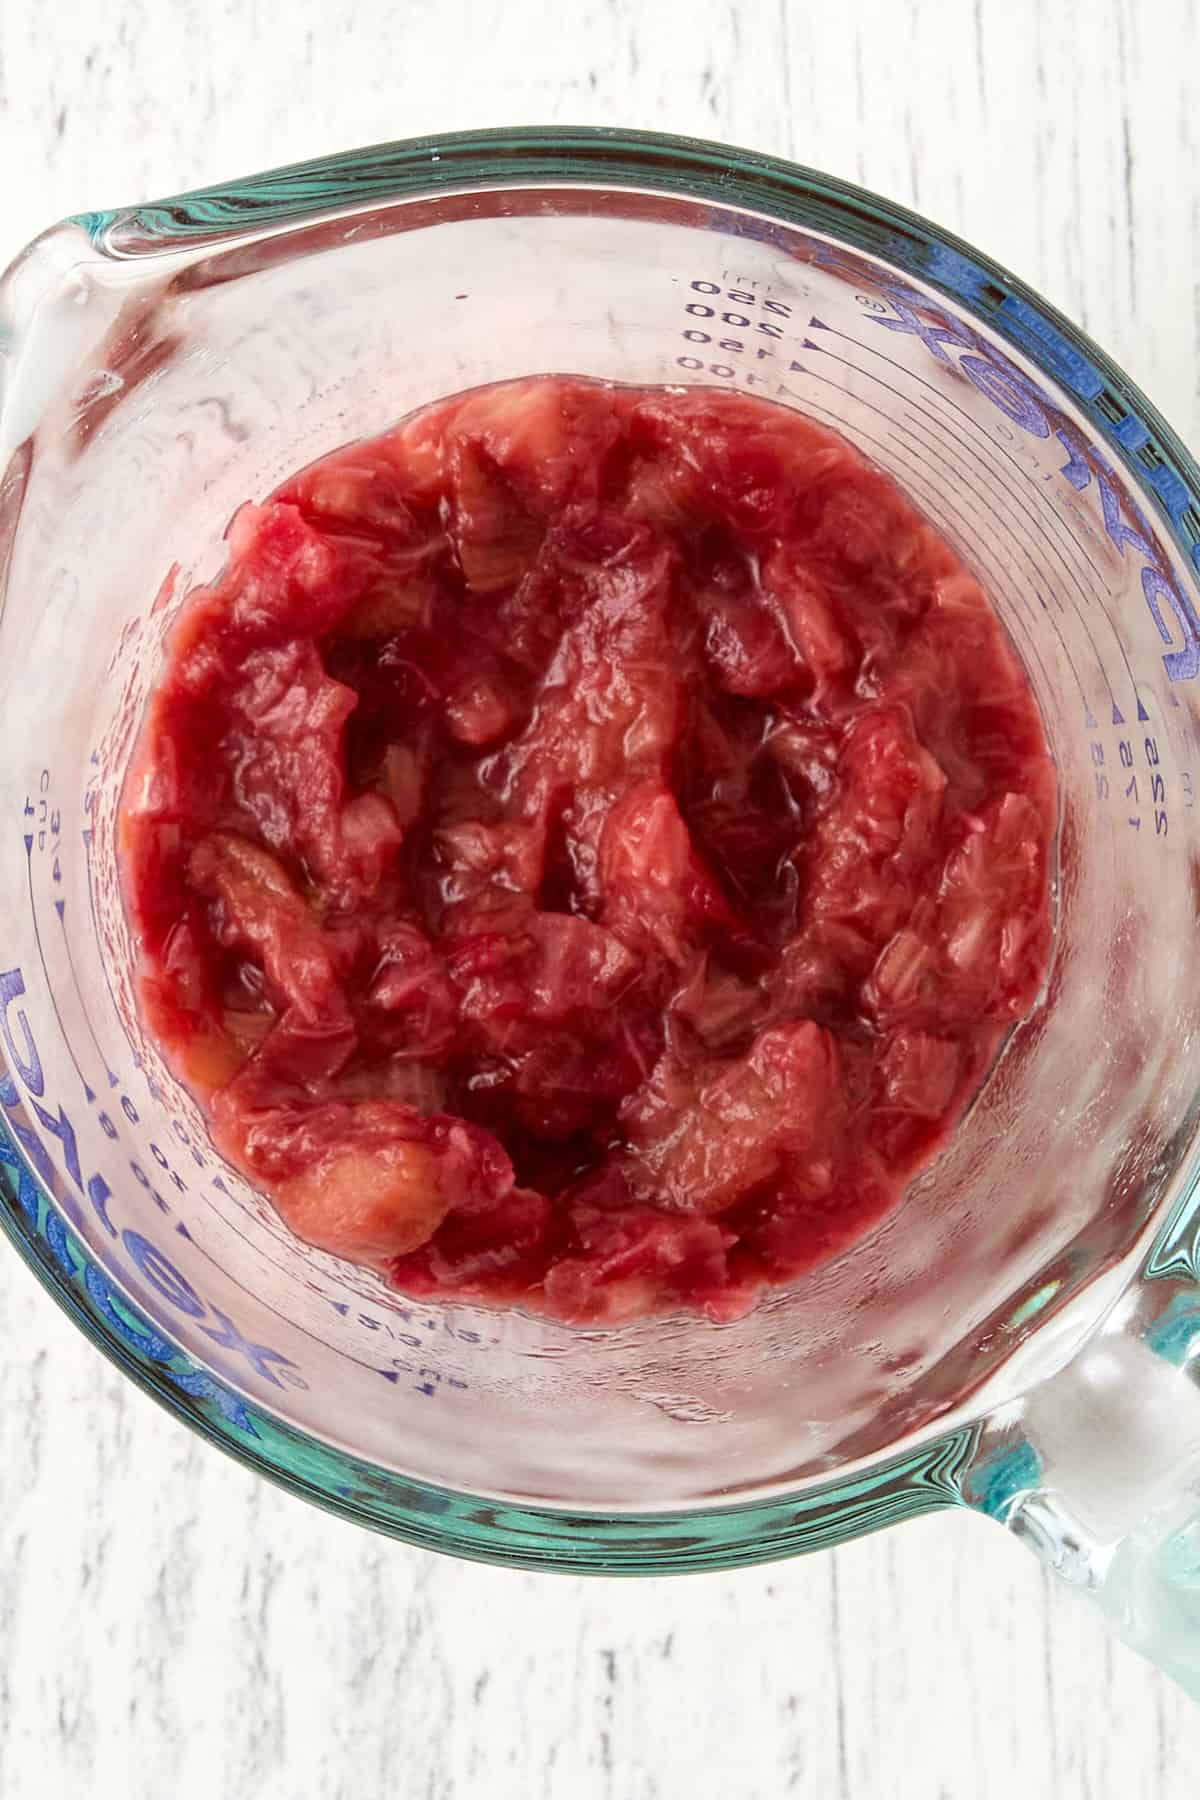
x=170 y=1625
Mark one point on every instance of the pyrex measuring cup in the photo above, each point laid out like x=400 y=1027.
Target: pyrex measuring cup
x=1023 y=1334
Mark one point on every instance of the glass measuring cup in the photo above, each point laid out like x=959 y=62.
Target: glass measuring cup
x=1022 y=1336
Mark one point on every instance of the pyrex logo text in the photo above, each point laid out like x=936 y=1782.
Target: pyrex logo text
x=148 y=1260
x=1029 y=408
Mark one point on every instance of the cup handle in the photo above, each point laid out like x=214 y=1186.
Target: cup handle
x=1098 y=1471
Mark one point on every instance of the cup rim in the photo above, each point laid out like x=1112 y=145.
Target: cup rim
x=892 y=1486
x=1163 y=469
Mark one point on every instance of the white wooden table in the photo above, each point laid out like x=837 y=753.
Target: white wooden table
x=170 y=1626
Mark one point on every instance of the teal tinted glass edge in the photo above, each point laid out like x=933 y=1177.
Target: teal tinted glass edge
x=435 y=1518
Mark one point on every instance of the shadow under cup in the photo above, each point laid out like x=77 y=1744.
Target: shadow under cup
x=163 y=383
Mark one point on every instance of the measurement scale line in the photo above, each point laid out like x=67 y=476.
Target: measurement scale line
x=990 y=511
x=60 y=907
x=37 y=936
x=1023 y=513
x=1102 y=593
x=950 y=525
x=962 y=413
x=88 y=834
x=287 y=1318
x=973 y=451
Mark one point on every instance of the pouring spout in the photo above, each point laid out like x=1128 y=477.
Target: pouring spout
x=48 y=321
